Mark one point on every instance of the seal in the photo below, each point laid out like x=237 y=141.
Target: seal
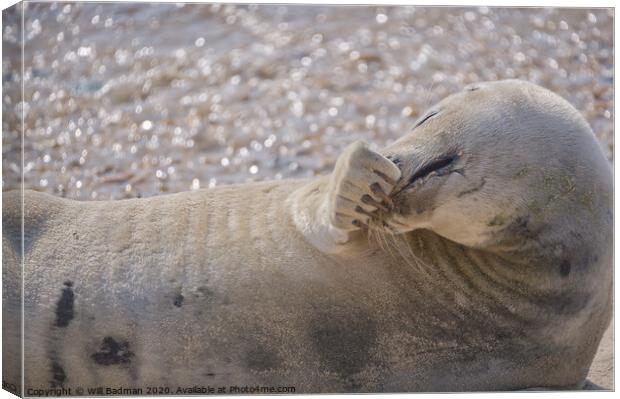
x=474 y=253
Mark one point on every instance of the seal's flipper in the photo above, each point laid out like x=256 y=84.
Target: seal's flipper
x=329 y=211
x=360 y=184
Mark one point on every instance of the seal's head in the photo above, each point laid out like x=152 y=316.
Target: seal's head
x=497 y=164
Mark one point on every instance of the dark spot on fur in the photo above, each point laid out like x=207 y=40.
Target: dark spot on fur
x=178 y=300
x=522 y=172
x=112 y=352
x=260 y=359
x=64 y=306
x=565 y=269
x=205 y=293
x=34 y=219
x=75 y=235
x=267 y=190
x=12 y=232
x=517 y=232
x=472 y=88
x=210 y=374
x=58 y=375
x=344 y=343
x=520 y=225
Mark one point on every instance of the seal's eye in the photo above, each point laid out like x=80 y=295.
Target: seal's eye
x=434 y=166
x=424 y=119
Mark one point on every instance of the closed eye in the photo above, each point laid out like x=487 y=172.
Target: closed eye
x=427 y=117
x=434 y=165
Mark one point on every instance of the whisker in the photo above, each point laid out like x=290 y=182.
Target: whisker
x=394 y=243
x=428 y=95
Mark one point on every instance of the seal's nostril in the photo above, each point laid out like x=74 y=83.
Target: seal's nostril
x=395 y=160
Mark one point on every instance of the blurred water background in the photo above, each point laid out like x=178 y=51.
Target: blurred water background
x=127 y=100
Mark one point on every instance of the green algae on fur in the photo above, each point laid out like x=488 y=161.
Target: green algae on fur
x=498 y=220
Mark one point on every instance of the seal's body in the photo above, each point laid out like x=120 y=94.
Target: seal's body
x=505 y=282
